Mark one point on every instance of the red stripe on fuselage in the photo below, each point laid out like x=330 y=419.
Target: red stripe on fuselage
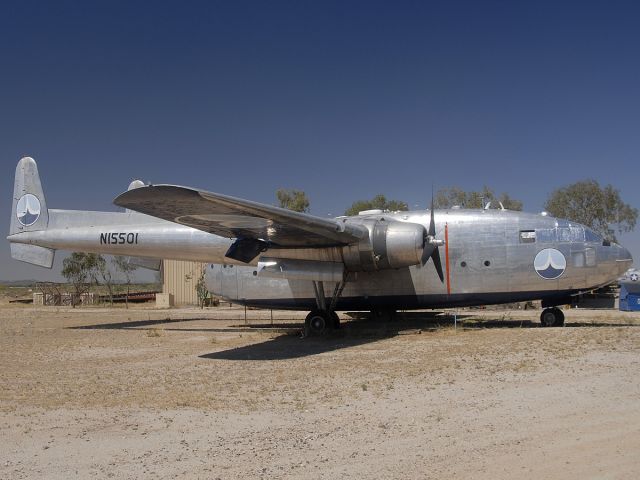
x=446 y=255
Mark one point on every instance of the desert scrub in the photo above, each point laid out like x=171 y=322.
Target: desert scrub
x=155 y=332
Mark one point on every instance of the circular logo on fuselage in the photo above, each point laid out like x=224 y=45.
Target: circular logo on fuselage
x=28 y=209
x=550 y=263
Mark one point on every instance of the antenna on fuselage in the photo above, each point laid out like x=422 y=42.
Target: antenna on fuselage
x=488 y=205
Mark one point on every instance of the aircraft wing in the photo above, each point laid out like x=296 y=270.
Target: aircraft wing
x=255 y=225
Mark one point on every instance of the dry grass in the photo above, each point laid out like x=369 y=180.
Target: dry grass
x=155 y=332
x=199 y=394
x=48 y=363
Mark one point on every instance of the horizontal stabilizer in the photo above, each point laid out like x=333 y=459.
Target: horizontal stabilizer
x=33 y=254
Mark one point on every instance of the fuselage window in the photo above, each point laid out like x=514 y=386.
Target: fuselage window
x=527 y=236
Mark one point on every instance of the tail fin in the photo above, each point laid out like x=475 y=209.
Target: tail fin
x=29 y=213
x=29 y=206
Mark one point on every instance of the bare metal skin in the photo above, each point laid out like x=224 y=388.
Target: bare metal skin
x=264 y=256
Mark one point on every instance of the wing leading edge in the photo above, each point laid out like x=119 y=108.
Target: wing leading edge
x=256 y=226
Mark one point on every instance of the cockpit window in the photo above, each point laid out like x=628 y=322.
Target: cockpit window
x=546 y=235
x=570 y=234
x=591 y=236
x=560 y=234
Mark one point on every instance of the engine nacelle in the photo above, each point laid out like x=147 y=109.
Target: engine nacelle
x=390 y=244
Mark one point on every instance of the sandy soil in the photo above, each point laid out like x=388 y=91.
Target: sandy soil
x=98 y=393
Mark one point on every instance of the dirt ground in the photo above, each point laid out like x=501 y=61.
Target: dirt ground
x=100 y=393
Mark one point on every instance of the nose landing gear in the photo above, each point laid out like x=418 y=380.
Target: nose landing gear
x=552 y=317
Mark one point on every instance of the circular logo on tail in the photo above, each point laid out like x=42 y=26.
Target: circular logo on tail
x=28 y=209
x=550 y=263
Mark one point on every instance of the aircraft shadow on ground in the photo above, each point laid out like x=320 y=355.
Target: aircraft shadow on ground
x=351 y=334
x=360 y=324
x=361 y=330
x=141 y=324
x=286 y=347
x=132 y=324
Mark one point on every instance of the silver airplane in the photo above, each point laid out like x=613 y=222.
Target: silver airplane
x=264 y=256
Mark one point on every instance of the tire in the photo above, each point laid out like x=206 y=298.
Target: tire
x=316 y=324
x=552 y=317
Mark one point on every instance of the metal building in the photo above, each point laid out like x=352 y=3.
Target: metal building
x=179 y=278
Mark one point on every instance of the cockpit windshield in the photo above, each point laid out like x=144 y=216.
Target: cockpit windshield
x=567 y=233
x=563 y=233
x=591 y=236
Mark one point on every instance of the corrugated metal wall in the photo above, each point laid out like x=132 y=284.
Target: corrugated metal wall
x=180 y=279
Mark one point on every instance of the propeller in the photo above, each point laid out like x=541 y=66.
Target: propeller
x=430 y=245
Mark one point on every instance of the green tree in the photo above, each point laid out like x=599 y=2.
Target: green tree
x=126 y=268
x=599 y=208
x=378 y=202
x=295 y=200
x=201 y=289
x=106 y=275
x=448 y=197
x=81 y=270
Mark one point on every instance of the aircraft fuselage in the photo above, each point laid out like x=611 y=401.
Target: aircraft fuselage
x=490 y=256
x=400 y=260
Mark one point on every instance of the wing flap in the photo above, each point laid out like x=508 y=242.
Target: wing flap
x=238 y=218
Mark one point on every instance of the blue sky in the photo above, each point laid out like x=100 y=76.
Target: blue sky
x=341 y=99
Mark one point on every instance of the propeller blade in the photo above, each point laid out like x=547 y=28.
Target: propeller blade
x=430 y=249
x=429 y=234
x=432 y=223
x=435 y=256
x=427 y=251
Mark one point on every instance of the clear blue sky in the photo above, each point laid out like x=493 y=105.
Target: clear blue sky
x=341 y=99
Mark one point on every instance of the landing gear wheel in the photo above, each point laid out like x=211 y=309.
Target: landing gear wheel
x=552 y=317
x=317 y=323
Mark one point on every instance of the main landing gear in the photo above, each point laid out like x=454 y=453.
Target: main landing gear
x=552 y=317
x=319 y=322
x=323 y=318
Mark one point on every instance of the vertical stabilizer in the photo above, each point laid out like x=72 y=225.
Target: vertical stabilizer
x=29 y=211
